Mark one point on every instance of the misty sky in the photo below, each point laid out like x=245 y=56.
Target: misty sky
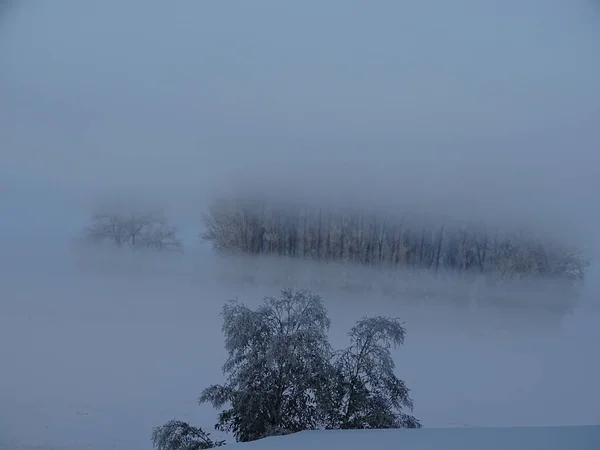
x=470 y=109
x=498 y=101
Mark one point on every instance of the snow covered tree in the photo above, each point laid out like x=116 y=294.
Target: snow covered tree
x=366 y=392
x=177 y=435
x=283 y=376
x=278 y=368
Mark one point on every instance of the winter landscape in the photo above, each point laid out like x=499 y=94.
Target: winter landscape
x=279 y=225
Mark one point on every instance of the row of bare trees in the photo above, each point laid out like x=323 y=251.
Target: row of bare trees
x=377 y=240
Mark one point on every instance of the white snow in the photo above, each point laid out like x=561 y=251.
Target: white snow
x=520 y=438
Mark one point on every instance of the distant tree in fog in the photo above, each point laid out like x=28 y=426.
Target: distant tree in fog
x=137 y=230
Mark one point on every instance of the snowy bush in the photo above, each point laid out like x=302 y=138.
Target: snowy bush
x=176 y=435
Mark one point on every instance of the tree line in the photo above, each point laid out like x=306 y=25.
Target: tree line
x=372 y=239
x=356 y=237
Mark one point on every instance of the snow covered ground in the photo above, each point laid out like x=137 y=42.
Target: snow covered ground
x=93 y=358
x=520 y=438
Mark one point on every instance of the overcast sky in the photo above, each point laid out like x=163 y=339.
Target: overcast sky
x=495 y=101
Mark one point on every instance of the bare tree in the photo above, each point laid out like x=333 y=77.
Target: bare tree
x=136 y=230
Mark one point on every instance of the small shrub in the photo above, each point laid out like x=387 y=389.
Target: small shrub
x=177 y=435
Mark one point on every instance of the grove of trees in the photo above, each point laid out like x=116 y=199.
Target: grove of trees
x=372 y=239
x=282 y=375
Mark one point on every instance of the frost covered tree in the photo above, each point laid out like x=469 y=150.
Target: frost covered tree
x=177 y=435
x=283 y=376
x=366 y=392
x=278 y=368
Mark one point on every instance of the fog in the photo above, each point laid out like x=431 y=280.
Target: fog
x=98 y=348
x=491 y=109
x=461 y=110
